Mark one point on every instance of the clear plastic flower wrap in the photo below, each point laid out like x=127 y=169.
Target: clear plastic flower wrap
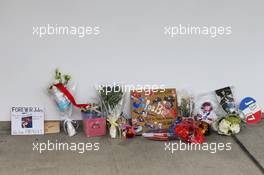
x=63 y=103
x=185 y=103
x=188 y=131
x=228 y=125
x=231 y=123
x=226 y=99
x=207 y=108
x=112 y=98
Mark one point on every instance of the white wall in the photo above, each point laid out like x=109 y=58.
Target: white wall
x=131 y=49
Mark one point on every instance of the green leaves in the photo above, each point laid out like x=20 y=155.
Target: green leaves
x=58 y=76
x=64 y=79
x=110 y=96
x=185 y=107
x=67 y=78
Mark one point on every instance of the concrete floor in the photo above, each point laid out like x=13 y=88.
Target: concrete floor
x=137 y=156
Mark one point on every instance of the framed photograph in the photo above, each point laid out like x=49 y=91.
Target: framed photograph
x=27 y=120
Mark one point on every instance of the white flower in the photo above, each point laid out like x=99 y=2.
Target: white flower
x=235 y=128
x=224 y=127
x=228 y=127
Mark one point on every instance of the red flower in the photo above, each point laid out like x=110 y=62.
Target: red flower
x=188 y=131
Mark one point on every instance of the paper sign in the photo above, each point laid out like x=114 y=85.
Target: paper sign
x=27 y=120
x=155 y=110
x=251 y=110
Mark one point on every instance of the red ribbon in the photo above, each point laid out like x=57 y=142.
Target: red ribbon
x=65 y=91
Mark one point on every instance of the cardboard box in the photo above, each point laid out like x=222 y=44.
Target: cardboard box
x=52 y=127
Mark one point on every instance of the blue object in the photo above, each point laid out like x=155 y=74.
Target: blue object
x=246 y=102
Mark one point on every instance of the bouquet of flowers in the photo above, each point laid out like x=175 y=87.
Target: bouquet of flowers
x=63 y=103
x=227 y=125
x=189 y=131
x=231 y=123
x=112 y=98
x=61 y=91
x=186 y=104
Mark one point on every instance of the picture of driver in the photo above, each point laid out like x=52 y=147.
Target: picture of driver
x=226 y=100
x=26 y=122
